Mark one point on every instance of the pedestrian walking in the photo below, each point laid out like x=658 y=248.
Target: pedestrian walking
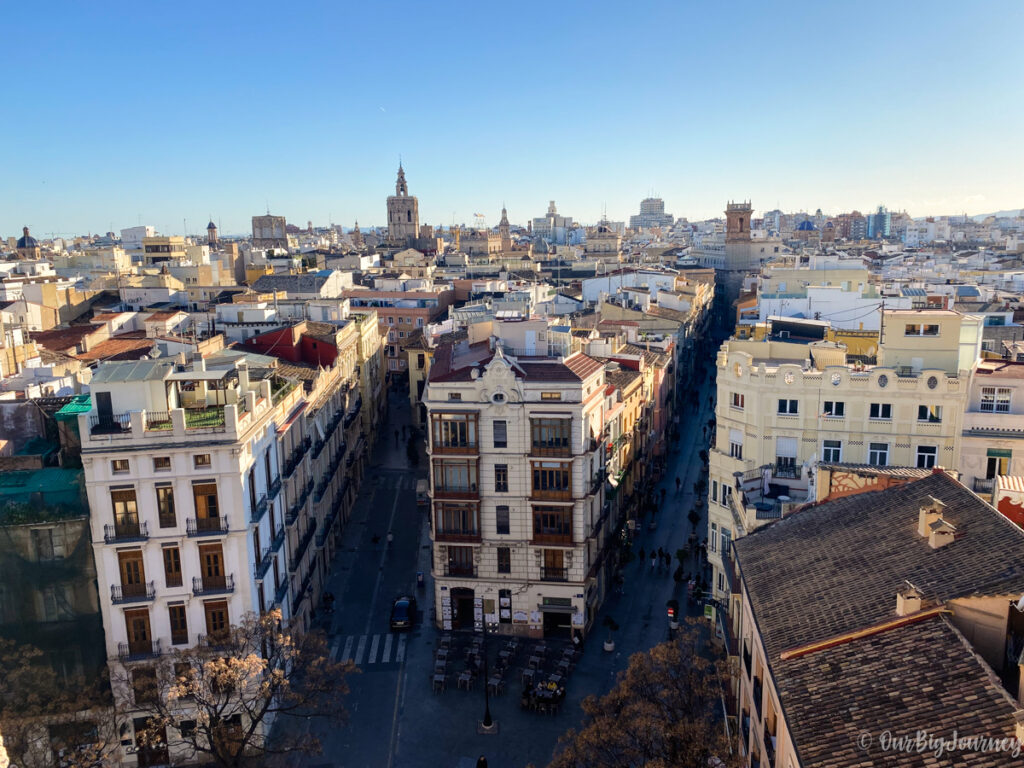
x=668 y=560
x=643 y=554
x=391 y=537
x=654 y=560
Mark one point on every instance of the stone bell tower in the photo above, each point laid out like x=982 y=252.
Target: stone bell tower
x=737 y=217
x=403 y=212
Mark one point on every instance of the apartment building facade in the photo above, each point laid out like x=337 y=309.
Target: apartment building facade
x=784 y=406
x=993 y=427
x=520 y=528
x=216 y=490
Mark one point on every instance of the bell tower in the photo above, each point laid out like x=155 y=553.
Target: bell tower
x=504 y=231
x=403 y=212
x=737 y=218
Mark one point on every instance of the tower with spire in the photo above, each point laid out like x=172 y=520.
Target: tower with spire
x=403 y=212
x=504 y=231
x=211 y=234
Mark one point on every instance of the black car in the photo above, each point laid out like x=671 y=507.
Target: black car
x=403 y=612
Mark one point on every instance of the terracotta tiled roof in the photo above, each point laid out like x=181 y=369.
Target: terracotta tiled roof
x=120 y=348
x=870 y=470
x=325 y=332
x=64 y=339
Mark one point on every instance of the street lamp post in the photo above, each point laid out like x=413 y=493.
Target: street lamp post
x=488 y=725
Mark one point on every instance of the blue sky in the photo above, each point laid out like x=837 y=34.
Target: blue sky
x=120 y=113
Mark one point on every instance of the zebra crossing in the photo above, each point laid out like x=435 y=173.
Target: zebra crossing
x=379 y=649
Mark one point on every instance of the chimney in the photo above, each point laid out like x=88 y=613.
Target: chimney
x=908 y=600
x=930 y=512
x=942 y=533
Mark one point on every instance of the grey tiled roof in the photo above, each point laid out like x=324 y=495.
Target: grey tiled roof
x=835 y=567
x=922 y=675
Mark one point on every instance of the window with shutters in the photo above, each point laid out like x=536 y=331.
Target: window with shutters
x=165 y=505
x=172 y=566
x=500 y=434
x=501 y=520
x=504 y=560
x=179 y=624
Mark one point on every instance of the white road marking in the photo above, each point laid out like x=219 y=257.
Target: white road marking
x=360 y=649
x=400 y=651
x=385 y=657
x=373 y=650
x=347 y=653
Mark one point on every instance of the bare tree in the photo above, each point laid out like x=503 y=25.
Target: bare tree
x=46 y=719
x=664 y=711
x=228 y=700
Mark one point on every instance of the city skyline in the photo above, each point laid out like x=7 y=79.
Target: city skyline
x=308 y=114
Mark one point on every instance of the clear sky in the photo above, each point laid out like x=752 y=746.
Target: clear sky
x=164 y=112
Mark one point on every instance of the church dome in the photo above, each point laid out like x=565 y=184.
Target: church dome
x=26 y=240
x=806 y=226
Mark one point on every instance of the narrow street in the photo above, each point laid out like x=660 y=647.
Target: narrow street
x=394 y=717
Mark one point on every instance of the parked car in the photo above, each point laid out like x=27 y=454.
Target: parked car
x=403 y=612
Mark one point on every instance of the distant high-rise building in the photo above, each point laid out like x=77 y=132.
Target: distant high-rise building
x=652 y=214
x=403 y=212
x=879 y=224
x=269 y=232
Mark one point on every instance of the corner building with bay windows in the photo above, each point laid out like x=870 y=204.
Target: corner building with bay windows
x=519 y=525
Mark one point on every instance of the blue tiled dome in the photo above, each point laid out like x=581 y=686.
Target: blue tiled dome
x=806 y=226
x=26 y=240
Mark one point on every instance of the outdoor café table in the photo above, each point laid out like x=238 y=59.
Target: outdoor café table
x=439 y=683
x=441 y=654
x=495 y=684
x=440 y=666
x=465 y=680
x=556 y=679
x=534 y=662
x=528 y=675
x=563 y=667
x=504 y=655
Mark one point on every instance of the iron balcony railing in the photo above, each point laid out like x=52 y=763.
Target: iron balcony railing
x=132 y=593
x=460 y=570
x=984 y=484
x=213 y=585
x=303 y=545
x=260 y=509
x=275 y=488
x=125 y=531
x=281 y=593
x=206 y=526
x=134 y=650
x=554 y=574
x=109 y=423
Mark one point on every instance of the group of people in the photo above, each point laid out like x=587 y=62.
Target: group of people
x=659 y=558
